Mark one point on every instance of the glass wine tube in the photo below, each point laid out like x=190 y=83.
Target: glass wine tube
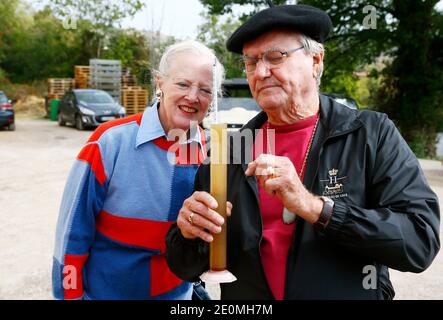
x=218 y=169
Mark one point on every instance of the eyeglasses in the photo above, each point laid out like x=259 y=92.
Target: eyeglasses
x=186 y=86
x=271 y=58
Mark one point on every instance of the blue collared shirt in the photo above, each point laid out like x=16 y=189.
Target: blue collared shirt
x=151 y=129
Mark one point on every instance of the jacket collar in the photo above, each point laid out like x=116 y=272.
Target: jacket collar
x=335 y=118
x=151 y=128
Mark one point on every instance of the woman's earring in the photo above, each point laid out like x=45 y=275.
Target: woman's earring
x=159 y=94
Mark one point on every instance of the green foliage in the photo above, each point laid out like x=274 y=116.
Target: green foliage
x=127 y=46
x=99 y=15
x=139 y=51
x=38 y=46
x=343 y=82
x=29 y=47
x=214 y=33
x=219 y=7
x=409 y=33
x=412 y=90
x=103 y=14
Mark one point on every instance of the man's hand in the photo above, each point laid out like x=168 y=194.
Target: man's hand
x=198 y=219
x=278 y=177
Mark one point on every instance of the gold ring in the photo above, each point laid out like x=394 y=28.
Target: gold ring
x=190 y=218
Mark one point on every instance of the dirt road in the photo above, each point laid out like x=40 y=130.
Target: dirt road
x=34 y=163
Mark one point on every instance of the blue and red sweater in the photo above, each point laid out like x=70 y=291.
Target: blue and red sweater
x=123 y=193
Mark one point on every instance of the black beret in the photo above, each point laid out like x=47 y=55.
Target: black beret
x=305 y=19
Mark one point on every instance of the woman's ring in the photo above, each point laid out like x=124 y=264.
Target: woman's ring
x=190 y=218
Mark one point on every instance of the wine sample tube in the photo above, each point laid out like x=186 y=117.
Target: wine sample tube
x=218 y=272
x=217 y=255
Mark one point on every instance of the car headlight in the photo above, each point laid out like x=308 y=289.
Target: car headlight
x=86 y=111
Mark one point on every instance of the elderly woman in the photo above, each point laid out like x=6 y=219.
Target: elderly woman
x=324 y=211
x=128 y=184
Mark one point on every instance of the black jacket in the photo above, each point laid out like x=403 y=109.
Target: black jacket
x=385 y=216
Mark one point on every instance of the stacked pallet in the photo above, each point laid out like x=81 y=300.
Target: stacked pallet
x=106 y=75
x=134 y=99
x=82 y=77
x=58 y=86
x=129 y=80
x=56 y=90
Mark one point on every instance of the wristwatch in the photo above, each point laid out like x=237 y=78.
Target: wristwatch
x=326 y=213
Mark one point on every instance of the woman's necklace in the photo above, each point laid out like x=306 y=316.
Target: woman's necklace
x=288 y=216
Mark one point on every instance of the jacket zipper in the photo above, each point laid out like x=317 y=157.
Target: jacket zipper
x=310 y=189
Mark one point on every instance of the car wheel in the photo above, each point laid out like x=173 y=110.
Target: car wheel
x=11 y=127
x=78 y=123
x=60 y=120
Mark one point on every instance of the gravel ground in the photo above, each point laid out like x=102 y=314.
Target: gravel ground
x=34 y=164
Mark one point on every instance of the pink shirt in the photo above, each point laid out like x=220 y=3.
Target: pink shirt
x=290 y=141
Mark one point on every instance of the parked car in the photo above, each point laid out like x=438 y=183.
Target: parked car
x=237 y=106
x=87 y=108
x=6 y=112
x=344 y=100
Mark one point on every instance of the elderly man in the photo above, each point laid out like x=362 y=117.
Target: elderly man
x=324 y=211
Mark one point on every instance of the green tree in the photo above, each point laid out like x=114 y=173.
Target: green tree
x=214 y=33
x=412 y=89
x=127 y=46
x=39 y=49
x=132 y=48
x=103 y=15
x=409 y=33
x=10 y=22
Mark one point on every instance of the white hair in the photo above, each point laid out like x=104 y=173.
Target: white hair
x=313 y=47
x=190 y=46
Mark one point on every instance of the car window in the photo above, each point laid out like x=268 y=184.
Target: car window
x=94 y=97
x=3 y=99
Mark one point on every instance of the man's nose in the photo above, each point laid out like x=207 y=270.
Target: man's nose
x=262 y=71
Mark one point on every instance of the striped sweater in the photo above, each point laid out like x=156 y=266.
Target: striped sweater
x=122 y=195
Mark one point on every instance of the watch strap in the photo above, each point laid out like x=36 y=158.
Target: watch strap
x=326 y=213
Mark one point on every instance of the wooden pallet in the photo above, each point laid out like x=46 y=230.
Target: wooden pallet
x=58 y=86
x=82 y=77
x=134 y=99
x=129 y=80
x=129 y=88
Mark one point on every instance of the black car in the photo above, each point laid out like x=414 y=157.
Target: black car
x=6 y=112
x=86 y=108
